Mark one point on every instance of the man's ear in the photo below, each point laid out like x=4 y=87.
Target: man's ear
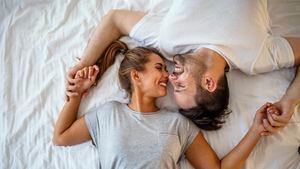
x=135 y=76
x=210 y=84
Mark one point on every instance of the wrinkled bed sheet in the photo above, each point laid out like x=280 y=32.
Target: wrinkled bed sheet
x=39 y=42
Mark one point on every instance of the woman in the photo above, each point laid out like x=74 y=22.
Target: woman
x=139 y=134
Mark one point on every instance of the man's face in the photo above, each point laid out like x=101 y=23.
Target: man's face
x=183 y=83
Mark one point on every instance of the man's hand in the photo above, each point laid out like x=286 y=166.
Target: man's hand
x=87 y=78
x=286 y=110
x=71 y=89
x=71 y=81
x=279 y=115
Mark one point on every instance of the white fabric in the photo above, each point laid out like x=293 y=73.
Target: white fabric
x=146 y=31
x=280 y=52
x=39 y=41
x=239 y=31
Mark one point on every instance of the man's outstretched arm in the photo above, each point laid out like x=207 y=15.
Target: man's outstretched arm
x=114 y=24
x=286 y=105
x=295 y=44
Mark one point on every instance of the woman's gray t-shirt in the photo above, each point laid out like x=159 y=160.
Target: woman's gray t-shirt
x=129 y=139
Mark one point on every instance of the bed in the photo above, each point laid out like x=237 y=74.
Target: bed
x=40 y=41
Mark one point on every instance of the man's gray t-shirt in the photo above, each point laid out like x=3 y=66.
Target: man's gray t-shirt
x=129 y=139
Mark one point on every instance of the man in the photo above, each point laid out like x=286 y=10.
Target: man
x=215 y=37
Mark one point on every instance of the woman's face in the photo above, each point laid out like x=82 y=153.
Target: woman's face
x=184 y=85
x=154 y=78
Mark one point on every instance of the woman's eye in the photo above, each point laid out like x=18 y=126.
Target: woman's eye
x=159 y=68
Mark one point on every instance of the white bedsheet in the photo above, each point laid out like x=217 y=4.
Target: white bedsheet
x=39 y=41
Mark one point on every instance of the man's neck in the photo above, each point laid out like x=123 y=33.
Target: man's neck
x=212 y=58
x=220 y=61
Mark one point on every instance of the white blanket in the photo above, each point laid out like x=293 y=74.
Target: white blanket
x=39 y=41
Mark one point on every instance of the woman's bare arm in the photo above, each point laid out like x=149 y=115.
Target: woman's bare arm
x=68 y=130
x=201 y=155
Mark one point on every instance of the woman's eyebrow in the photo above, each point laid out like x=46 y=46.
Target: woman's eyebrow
x=160 y=64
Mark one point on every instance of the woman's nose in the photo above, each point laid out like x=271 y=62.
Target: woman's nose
x=166 y=74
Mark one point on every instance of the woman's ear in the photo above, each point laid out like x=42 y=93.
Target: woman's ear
x=210 y=84
x=135 y=76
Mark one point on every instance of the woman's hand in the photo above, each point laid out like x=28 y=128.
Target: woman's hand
x=86 y=78
x=71 y=89
x=261 y=124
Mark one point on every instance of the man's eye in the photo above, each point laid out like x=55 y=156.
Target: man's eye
x=180 y=85
x=178 y=70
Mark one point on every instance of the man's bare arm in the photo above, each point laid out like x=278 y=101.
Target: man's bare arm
x=295 y=44
x=286 y=105
x=113 y=25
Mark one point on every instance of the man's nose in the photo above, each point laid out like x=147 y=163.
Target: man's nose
x=172 y=77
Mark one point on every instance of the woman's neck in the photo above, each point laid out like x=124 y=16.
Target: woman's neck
x=143 y=104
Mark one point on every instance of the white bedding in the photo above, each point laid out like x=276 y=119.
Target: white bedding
x=39 y=41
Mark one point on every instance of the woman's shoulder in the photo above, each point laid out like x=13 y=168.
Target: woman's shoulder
x=108 y=106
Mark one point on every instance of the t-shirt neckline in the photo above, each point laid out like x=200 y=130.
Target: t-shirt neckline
x=129 y=110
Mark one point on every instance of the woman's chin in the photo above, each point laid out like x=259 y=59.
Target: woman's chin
x=160 y=93
x=163 y=93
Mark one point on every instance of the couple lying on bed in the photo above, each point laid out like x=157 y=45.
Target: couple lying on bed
x=139 y=135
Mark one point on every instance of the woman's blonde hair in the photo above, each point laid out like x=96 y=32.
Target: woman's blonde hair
x=135 y=58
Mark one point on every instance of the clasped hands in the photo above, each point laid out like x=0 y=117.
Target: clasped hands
x=79 y=81
x=271 y=118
